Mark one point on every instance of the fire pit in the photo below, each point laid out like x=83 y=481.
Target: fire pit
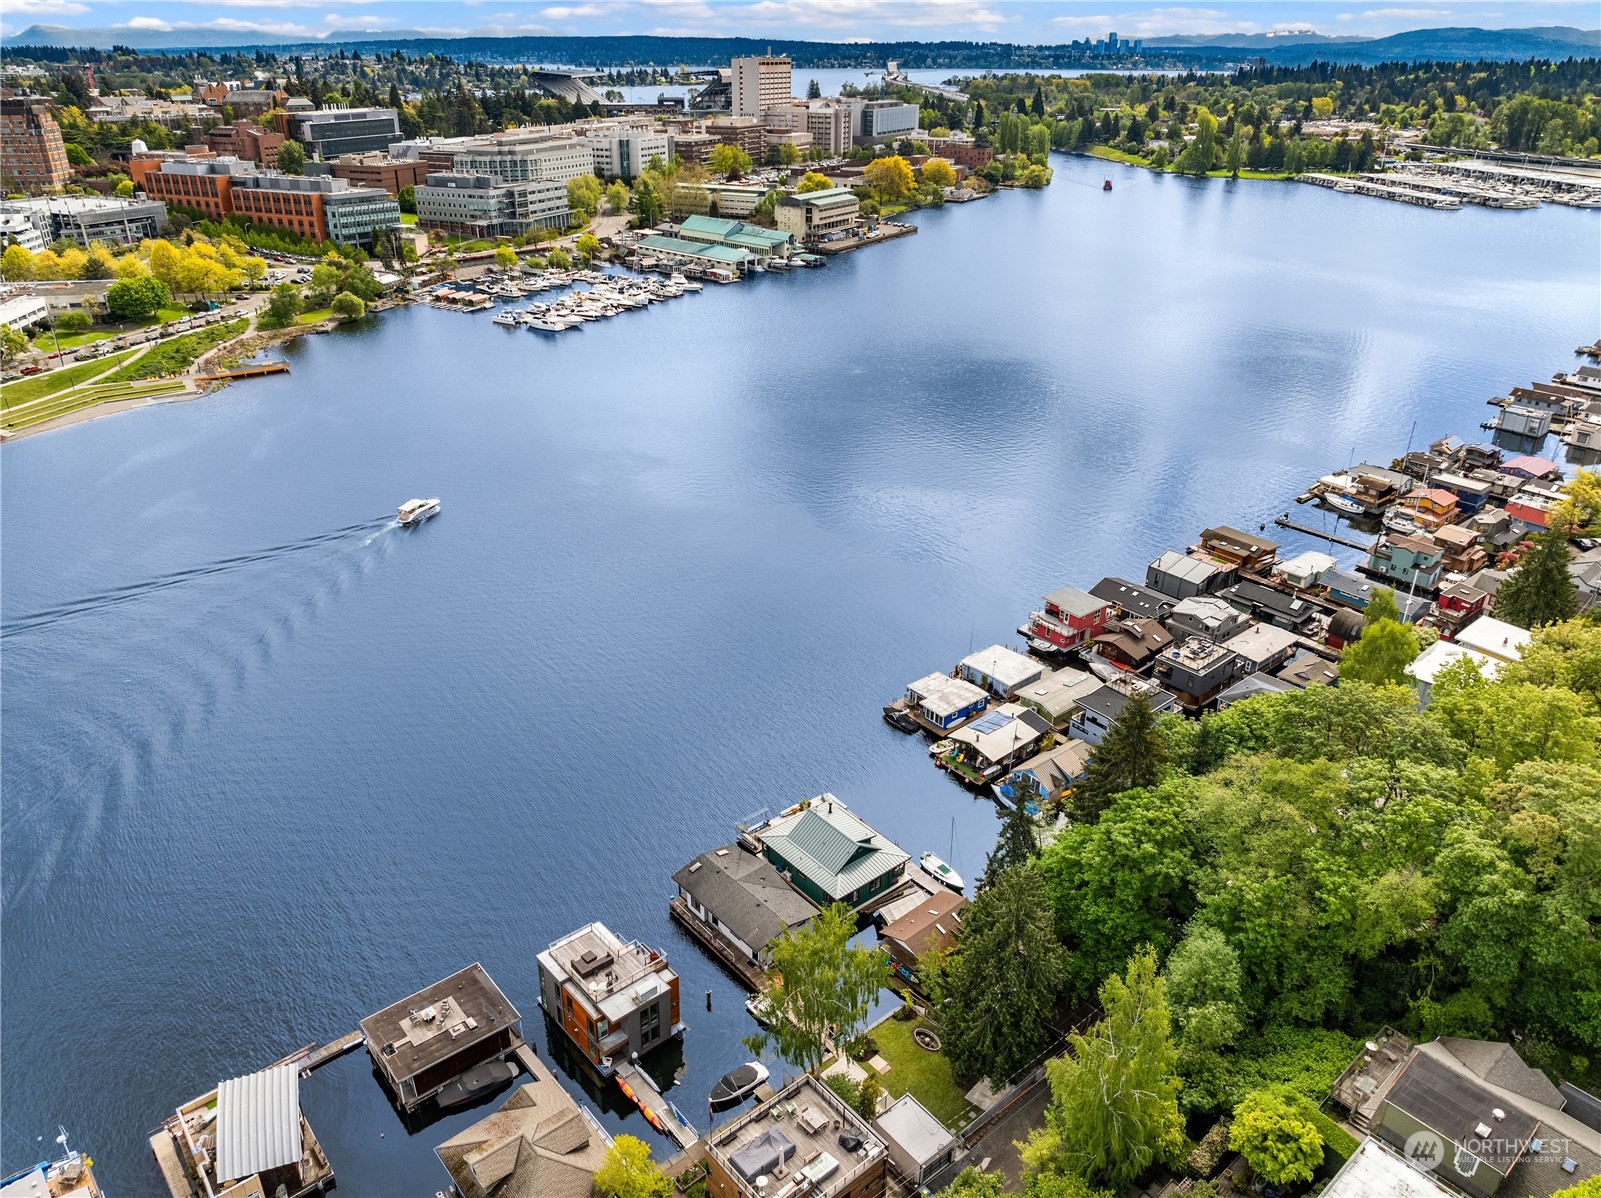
x=926 y=1039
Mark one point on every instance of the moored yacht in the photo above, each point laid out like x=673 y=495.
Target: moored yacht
x=415 y=511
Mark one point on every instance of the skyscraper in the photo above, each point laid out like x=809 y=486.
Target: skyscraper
x=34 y=157
x=760 y=84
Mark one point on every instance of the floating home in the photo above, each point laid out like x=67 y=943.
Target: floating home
x=1130 y=600
x=829 y=854
x=1180 y=576
x=999 y=670
x=425 y=1041
x=1046 y=777
x=992 y=744
x=248 y=1138
x=1100 y=709
x=1056 y=694
x=734 y=901
x=940 y=702
x=613 y=998
x=1069 y=618
x=804 y=1140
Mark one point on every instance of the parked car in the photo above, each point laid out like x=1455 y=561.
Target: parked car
x=30 y=369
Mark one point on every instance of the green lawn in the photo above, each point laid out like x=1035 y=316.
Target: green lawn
x=408 y=218
x=317 y=317
x=87 y=397
x=46 y=342
x=1112 y=155
x=39 y=385
x=926 y=1075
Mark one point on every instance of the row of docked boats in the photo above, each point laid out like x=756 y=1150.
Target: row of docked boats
x=612 y=296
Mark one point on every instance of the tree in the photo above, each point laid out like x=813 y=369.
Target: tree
x=1539 y=590
x=351 y=307
x=1381 y=656
x=1114 y=1110
x=559 y=258
x=583 y=194
x=78 y=156
x=1579 y=513
x=812 y=181
x=124 y=190
x=505 y=257
x=1132 y=755
x=891 y=177
x=587 y=245
x=1276 y=1138
x=13 y=344
x=73 y=322
x=1199 y=153
x=16 y=265
x=326 y=280
x=939 y=173
x=730 y=161
x=646 y=204
x=98 y=263
x=137 y=298
x=407 y=199
x=1381 y=606
x=628 y=1172
x=813 y=92
x=1590 y=1187
x=285 y=303
x=1566 y=655
x=970 y=1183
x=1001 y=982
x=617 y=197
x=819 y=990
x=1203 y=988
x=292 y=157
x=1017 y=844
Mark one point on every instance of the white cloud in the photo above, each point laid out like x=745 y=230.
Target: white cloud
x=150 y=23
x=1395 y=14
x=44 y=9
x=573 y=12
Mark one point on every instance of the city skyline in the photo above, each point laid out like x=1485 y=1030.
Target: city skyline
x=824 y=20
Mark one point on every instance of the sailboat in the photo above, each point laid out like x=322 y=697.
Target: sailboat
x=941 y=871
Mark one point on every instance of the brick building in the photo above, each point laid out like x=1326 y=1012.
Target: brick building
x=35 y=158
x=246 y=140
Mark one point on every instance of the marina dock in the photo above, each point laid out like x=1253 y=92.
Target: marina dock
x=656 y=1107
x=244 y=372
x=1285 y=522
x=331 y=1051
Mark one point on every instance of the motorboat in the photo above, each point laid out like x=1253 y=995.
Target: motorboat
x=738 y=1085
x=1343 y=503
x=1401 y=522
x=477 y=1082
x=547 y=324
x=505 y=318
x=678 y=280
x=760 y=1009
x=415 y=511
x=898 y=718
x=944 y=874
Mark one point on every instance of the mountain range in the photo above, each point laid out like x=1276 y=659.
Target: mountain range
x=1288 y=48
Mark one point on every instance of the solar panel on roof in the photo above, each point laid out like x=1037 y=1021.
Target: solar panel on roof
x=992 y=722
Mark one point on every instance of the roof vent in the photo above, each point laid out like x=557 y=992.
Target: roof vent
x=1536 y=1145
x=1498 y=1113
x=1569 y=1164
x=1482 y=1130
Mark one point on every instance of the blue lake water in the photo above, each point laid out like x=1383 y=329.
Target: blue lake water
x=271 y=763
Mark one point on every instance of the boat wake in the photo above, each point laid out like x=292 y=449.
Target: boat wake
x=117 y=596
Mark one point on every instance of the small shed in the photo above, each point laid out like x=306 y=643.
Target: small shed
x=919 y=1144
x=1000 y=670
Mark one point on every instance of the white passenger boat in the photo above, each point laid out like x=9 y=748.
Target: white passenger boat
x=678 y=280
x=505 y=318
x=1343 y=503
x=415 y=511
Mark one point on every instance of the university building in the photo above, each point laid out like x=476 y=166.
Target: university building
x=35 y=157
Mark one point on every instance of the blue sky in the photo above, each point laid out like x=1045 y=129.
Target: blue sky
x=833 y=20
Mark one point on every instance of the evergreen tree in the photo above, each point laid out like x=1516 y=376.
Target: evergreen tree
x=1000 y=985
x=1133 y=755
x=1038 y=106
x=1017 y=844
x=1540 y=590
x=813 y=92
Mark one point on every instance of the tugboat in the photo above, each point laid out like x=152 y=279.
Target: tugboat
x=415 y=511
x=1107 y=186
x=738 y=1085
x=475 y=1083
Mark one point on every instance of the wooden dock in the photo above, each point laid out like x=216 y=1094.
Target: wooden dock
x=244 y=372
x=658 y=1110
x=1282 y=522
x=332 y=1051
x=749 y=976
